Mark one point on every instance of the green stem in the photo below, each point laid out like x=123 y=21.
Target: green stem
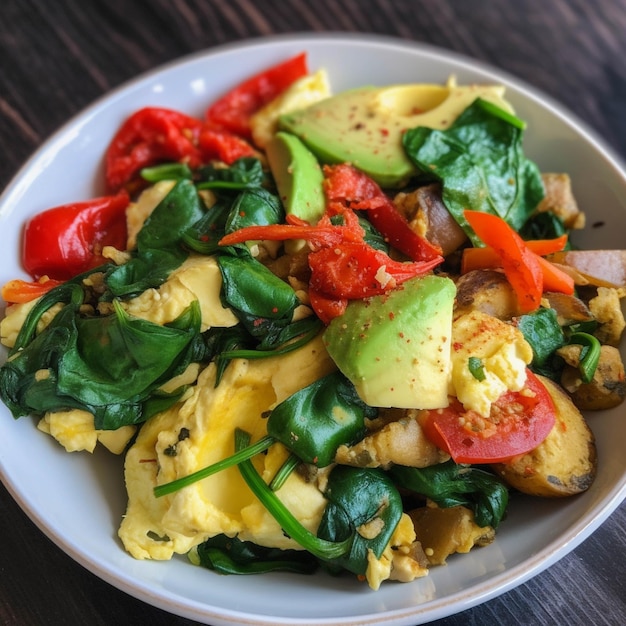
x=240 y=455
x=322 y=549
x=284 y=472
x=589 y=355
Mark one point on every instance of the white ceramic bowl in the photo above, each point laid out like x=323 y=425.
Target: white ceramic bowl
x=78 y=499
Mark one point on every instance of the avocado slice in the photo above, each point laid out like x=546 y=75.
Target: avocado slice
x=395 y=348
x=364 y=126
x=298 y=177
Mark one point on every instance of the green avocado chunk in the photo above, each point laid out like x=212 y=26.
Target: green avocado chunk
x=395 y=348
x=298 y=177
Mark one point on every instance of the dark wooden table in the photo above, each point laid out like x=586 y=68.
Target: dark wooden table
x=57 y=57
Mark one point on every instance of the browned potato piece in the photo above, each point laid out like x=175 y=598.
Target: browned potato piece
x=443 y=532
x=487 y=291
x=400 y=442
x=564 y=464
x=608 y=386
x=560 y=200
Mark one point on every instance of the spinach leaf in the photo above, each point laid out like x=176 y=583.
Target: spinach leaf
x=255 y=207
x=203 y=236
x=250 y=207
x=544 y=225
x=244 y=173
x=159 y=242
x=448 y=484
x=481 y=165
x=317 y=419
x=228 y=555
x=543 y=333
x=357 y=498
x=261 y=300
x=122 y=357
x=111 y=367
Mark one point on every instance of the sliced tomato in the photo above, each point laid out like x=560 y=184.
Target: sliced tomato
x=518 y=423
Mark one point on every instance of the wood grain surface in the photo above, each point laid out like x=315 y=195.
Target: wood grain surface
x=56 y=57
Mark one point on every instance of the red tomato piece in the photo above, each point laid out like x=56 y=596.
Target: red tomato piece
x=67 y=240
x=326 y=307
x=150 y=136
x=232 y=112
x=518 y=423
x=355 y=270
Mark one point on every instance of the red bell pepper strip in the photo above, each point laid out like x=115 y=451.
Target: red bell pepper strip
x=555 y=279
x=521 y=260
x=232 y=112
x=18 y=291
x=521 y=266
x=345 y=184
x=149 y=136
x=488 y=258
x=67 y=240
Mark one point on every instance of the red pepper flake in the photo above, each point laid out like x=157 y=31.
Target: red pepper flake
x=391 y=315
x=384 y=132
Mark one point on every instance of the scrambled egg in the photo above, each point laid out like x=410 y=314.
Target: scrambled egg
x=503 y=353
x=74 y=430
x=199 y=432
x=198 y=278
x=401 y=560
x=302 y=93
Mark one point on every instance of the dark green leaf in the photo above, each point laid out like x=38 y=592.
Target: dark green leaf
x=159 y=242
x=263 y=302
x=255 y=207
x=356 y=497
x=448 y=484
x=480 y=163
x=245 y=173
x=228 y=555
x=316 y=420
x=544 y=335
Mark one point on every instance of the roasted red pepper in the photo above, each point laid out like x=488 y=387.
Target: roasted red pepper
x=355 y=270
x=67 y=240
x=232 y=112
x=349 y=186
x=223 y=146
x=150 y=136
